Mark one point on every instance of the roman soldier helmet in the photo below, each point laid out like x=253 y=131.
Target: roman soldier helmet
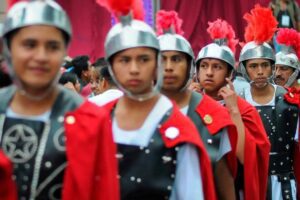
x=260 y=29
x=130 y=32
x=169 y=32
x=223 y=46
x=29 y=13
x=289 y=39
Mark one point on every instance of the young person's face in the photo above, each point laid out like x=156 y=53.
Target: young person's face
x=37 y=53
x=211 y=74
x=175 y=65
x=135 y=69
x=95 y=82
x=259 y=71
x=282 y=74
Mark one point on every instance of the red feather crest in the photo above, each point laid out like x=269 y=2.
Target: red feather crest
x=261 y=25
x=289 y=37
x=220 y=29
x=166 y=20
x=123 y=7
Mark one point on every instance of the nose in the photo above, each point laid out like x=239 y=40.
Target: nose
x=133 y=68
x=41 y=54
x=168 y=66
x=209 y=71
x=277 y=71
x=260 y=70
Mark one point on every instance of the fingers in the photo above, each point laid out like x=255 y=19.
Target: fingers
x=230 y=84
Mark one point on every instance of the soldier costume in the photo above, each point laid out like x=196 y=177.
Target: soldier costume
x=256 y=146
x=153 y=159
x=278 y=116
x=215 y=128
x=44 y=164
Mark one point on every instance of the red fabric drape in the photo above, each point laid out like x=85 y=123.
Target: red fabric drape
x=196 y=14
x=91 y=22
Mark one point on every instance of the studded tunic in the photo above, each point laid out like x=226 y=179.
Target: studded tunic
x=280 y=122
x=36 y=146
x=150 y=170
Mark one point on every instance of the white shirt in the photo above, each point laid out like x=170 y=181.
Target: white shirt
x=188 y=182
x=106 y=97
x=43 y=117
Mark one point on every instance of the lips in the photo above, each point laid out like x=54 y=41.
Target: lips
x=38 y=70
x=168 y=79
x=208 y=81
x=260 y=80
x=134 y=82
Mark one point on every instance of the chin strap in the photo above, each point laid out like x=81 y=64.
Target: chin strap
x=292 y=78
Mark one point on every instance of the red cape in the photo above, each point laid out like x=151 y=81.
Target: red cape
x=257 y=145
x=220 y=119
x=91 y=173
x=8 y=190
x=257 y=148
x=188 y=134
x=293 y=97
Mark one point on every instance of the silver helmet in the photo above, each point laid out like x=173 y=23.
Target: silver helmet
x=218 y=50
x=36 y=12
x=224 y=43
x=130 y=33
x=29 y=13
x=252 y=50
x=171 y=39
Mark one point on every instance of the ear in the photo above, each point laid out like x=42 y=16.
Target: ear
x=104 y=84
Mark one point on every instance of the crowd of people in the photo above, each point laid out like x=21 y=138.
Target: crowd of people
x=149 y=120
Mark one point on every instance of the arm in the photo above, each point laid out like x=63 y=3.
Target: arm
x=188 y=181
x=230 y=99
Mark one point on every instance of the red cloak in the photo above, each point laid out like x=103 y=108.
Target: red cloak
x=91 y=173
x=257 y=145
x=293 y=97
x=8 y=190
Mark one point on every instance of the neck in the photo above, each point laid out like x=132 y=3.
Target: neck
x=22 y=104
x=181 y=98
x=261 y=92
x=213 y=95
x=132 y=104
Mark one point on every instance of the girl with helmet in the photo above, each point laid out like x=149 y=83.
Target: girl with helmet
x=40 y=141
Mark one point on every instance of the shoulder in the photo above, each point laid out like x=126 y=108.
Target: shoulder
x=179 y=129
x=214 y=115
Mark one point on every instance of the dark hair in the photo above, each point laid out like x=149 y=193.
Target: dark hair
x=104 y=73
x=11 y=34
x=5 y=79
x=100 y=62
x=68 y=77
x=80 y=63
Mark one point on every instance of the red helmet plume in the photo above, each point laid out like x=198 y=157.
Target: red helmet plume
x=220 y=29
x=261 y=25
x=166 y=20
x=124 y=7
x=290 y=38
